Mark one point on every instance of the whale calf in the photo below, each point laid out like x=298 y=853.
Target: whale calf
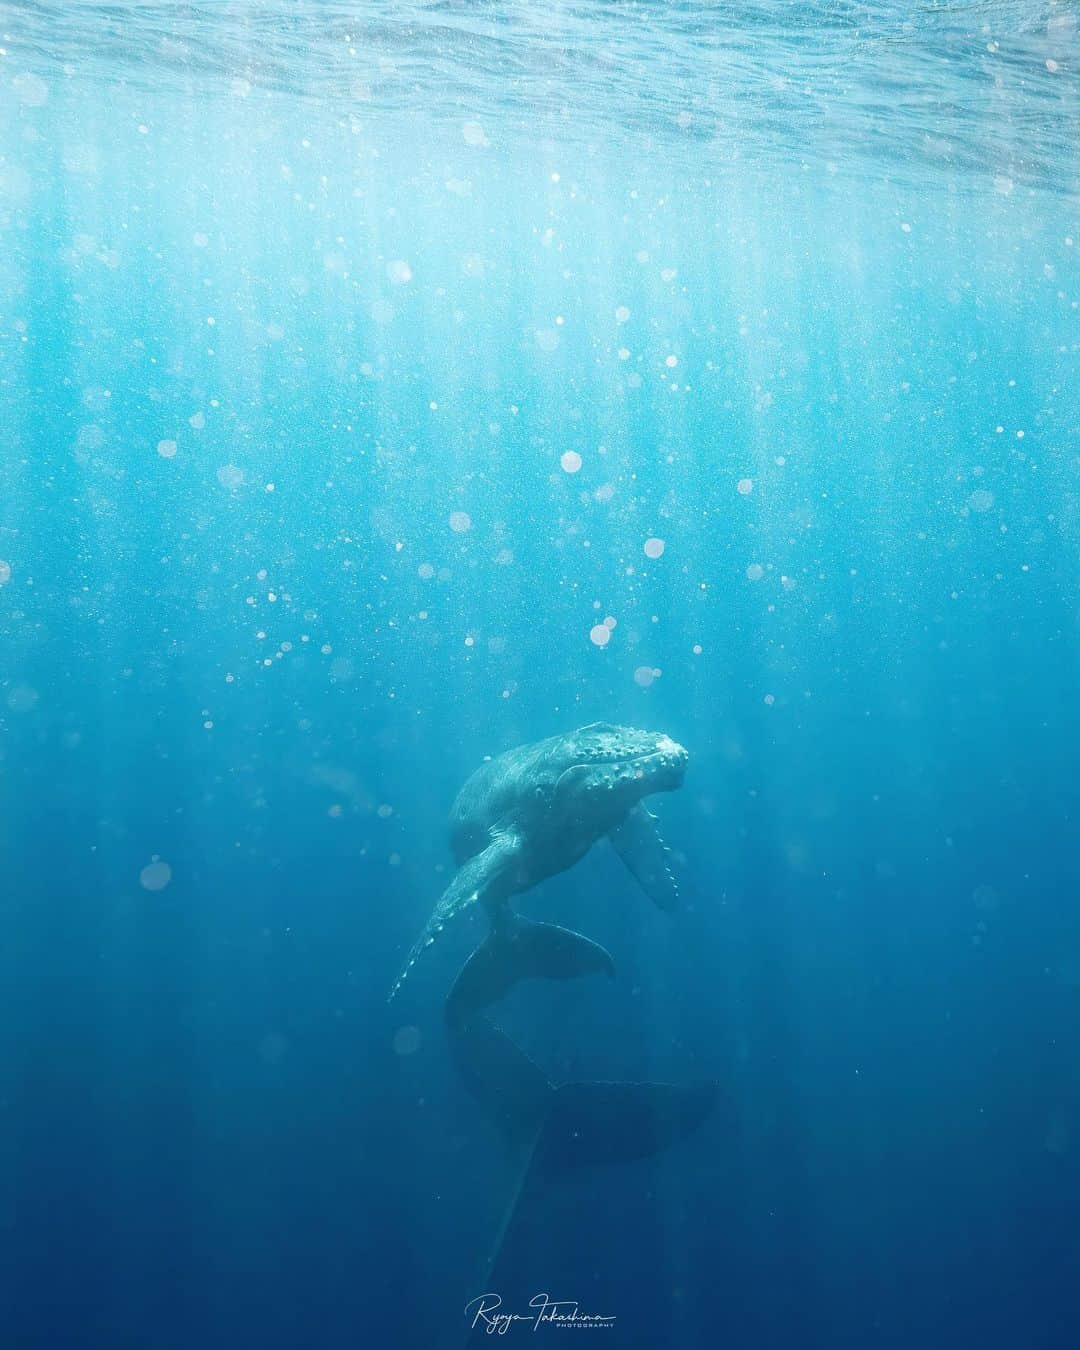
x=530 y=813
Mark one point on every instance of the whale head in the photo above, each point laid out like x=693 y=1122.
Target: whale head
x=609 y=769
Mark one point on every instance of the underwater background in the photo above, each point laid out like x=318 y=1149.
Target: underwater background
x=384 y=385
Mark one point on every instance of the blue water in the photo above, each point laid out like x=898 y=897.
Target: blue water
x=350 y=354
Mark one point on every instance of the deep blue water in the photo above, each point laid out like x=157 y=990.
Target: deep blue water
x=349 y=356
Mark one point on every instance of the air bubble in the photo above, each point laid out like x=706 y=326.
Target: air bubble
x=155 y=876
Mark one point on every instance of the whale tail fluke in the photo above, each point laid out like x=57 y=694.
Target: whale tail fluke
x=514 y=1092
x=555 y=1131
x=520 y=949
x=593 y=1123
x=582 y=1124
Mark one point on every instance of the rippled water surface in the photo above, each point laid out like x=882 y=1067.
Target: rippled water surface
x=929 y=91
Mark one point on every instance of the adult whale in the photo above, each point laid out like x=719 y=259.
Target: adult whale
x=530 y=813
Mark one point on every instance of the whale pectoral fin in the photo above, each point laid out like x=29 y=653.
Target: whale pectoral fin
x=482 y=877
x=521 y=949
x=637 y=842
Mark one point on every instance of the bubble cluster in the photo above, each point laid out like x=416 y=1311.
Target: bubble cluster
x=460 y=521
x=473 y=134
x=90 y=437
x=229 y=476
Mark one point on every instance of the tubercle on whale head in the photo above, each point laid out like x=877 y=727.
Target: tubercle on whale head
x=604 y=743
x=661 y=769
x=665 y=768
x=644 y=763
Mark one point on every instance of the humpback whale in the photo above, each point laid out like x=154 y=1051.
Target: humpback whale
x=530 y=813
